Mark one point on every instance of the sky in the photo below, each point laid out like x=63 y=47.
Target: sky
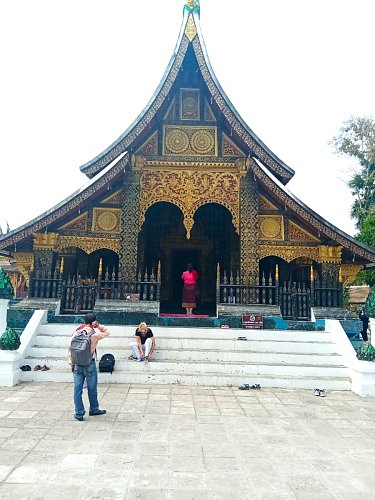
x=76 y=73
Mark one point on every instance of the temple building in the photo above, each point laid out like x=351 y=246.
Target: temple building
x=188 y=181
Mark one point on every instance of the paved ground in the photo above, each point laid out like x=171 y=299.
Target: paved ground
x=173 y=442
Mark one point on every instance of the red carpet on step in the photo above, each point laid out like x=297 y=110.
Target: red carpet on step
x=171 y=315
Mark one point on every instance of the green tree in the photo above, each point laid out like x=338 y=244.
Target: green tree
x=357 y=140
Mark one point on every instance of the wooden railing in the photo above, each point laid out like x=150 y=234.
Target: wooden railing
x=147 y=287
x=79 y=295
x=294 y=299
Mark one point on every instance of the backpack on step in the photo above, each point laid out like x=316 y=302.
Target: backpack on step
x=80 y=348
x=107 y=363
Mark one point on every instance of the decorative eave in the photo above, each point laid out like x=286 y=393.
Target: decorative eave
x=322 y=226
x=190 y=33
x=70 y=204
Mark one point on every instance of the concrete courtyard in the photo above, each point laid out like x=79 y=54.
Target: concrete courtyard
x=186 y=443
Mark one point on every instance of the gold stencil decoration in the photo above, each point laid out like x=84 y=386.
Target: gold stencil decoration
x=190 y=141
x=45 y=241
x=77 y=224
x=208 y=113
x=88 y=244
x=106 y=220
x=288 y=253
x=24 y=264
x=265 y=204
x=150 y=147
x=114 y=199
x=189 y=104
x=176 y=141
x=191 y=29
x=230 y=149
x=202 y=142
x=349 y=273
x=271 y=227
x=330 y=254
x=189 y=190
x=296 y=233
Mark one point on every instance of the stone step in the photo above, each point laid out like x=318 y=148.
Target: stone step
x=206 y=355
x=204 y=343
x=212 y=379
x=117 y=331
x=225 y=367
x=203 y=356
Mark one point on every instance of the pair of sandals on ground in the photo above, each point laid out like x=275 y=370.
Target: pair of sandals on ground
x=27 y=368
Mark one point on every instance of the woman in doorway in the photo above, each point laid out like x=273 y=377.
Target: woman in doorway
x=189 y=291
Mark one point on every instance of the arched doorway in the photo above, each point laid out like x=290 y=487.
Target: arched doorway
x=212 y=240
x=78 y=263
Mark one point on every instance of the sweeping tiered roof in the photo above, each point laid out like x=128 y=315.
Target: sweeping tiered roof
x=190 y=37
x=106 y=170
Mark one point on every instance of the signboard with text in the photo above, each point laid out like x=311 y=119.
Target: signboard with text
x=252 y=321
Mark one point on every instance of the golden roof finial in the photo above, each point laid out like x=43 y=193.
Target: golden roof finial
x=192 y=6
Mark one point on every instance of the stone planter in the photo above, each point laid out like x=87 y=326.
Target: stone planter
x=3 y=315
x=363 y=378
x=10 y=362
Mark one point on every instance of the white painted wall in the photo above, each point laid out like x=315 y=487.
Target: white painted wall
x=3 y=314
x=10 y=361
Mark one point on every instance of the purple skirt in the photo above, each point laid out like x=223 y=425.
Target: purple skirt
x=189 y=296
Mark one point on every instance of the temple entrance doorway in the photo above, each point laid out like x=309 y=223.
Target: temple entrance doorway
x=180 y=259
x=212 y=241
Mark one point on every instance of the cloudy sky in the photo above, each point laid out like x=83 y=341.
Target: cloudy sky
x=76 y=73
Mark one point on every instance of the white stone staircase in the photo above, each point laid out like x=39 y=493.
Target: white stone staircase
x=202 y=356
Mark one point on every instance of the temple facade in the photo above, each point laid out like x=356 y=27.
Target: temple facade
x=188 y=181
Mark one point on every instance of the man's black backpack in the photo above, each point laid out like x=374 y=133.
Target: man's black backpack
x=107 y=363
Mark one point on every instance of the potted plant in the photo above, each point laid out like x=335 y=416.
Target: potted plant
x=9 y=341
x=366 y=352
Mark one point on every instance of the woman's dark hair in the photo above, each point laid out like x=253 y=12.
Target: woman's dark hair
x=190 y=267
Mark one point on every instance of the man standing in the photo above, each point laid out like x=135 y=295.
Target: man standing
x=365 y=321
x=88 y=373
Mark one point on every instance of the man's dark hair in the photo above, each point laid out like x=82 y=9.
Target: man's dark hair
x=190 y=266
x=90 y=318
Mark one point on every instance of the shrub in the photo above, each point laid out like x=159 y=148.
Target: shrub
x=6 y=289
x=366 y=352
x=9 y=341
x=269 y=324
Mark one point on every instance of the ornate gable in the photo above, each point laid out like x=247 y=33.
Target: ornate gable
x=77 y=224
x=229 y=147
x=296 y=233
x=265 y=204
x=113 y=199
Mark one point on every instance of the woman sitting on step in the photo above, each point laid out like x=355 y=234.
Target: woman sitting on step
x=144 y=345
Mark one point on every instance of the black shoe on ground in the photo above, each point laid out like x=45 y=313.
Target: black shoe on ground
x=78 y=417
x=99 y=412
